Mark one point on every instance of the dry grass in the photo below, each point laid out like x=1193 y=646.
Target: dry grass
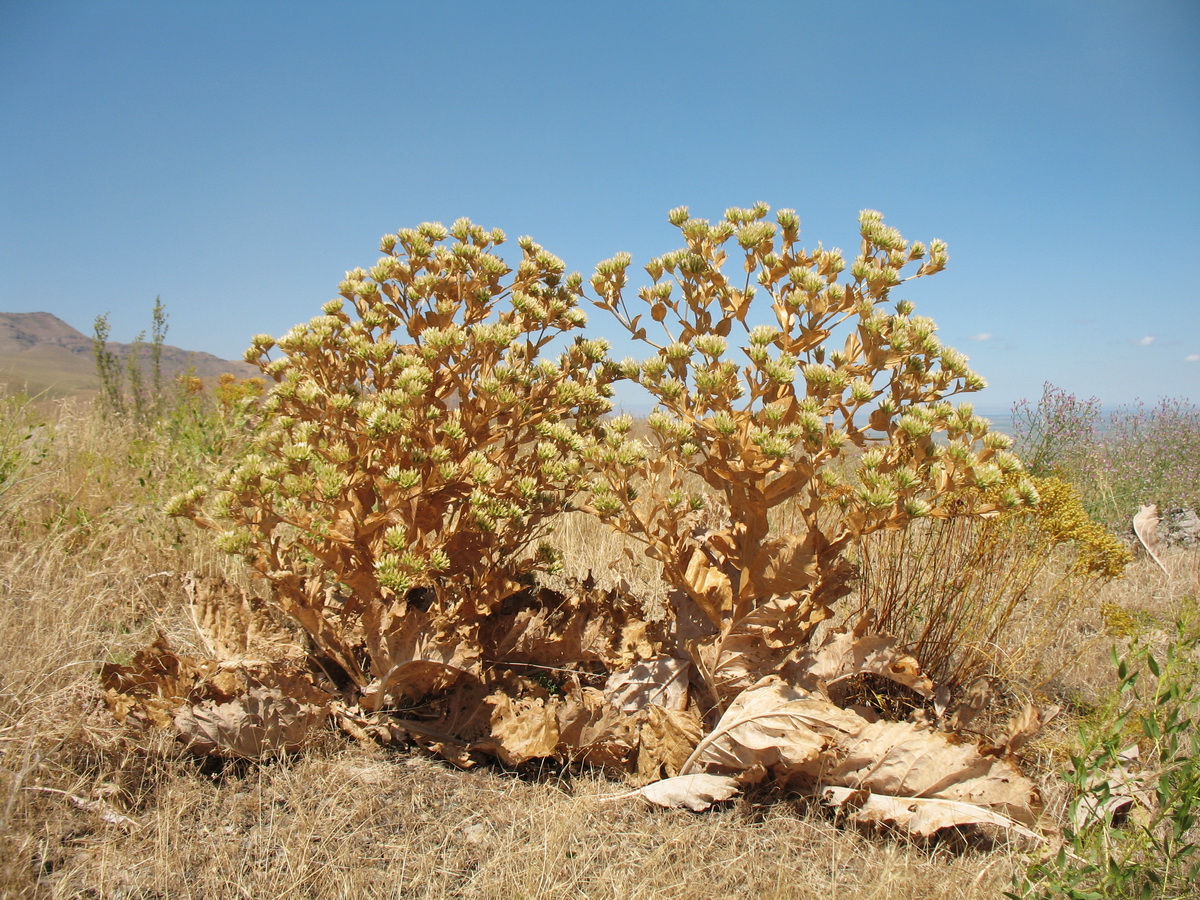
x=82 y=561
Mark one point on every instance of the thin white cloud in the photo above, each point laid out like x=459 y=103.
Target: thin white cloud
x=1192 y=357
x=1146 y=341
x=982 y=336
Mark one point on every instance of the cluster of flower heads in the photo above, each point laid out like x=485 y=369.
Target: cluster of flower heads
x=414 y=428
x=840 y=372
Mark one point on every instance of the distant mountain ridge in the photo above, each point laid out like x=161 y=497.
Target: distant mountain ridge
x=42 y=354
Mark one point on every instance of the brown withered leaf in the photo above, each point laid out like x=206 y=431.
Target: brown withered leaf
x=756 y=645
x=584 y=625
x=153 y=685
x=902 y=760
x=416 y=654
x=592 y=730
x=264 y=720
x=978 y=697
x=706 y=584
x=696 y=792
x=1024 y=726
x=666 y=738
x=921 y=816
x=578 y=726
x=521 y=729
x=782 y=729
x=845 y=654
x=784 y=565
x=234 y=624
x=775 y=727
x=233 y=708
x=662 y=681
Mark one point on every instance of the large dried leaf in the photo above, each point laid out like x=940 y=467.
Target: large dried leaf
x=262 y=721
x=666 y=738
x=696 y=792
x=902 y=760
x=153 y=685
x=580 y=726
x=706 y=584
x=845 y=654
x=662 y=681
x=543 y=627
x=920 y=816
x=758 y=644
x=778 y=728
x=236 y=708
x=774 y=727
x=592 y=730
x=234 y=624
x=522 y=729
x=415 y=656
x=785 y=565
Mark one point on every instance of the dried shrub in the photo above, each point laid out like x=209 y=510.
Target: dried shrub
x=837 y=409
x=972 y=596
x=416 y=443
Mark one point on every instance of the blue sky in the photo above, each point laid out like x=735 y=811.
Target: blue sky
x=237 y=158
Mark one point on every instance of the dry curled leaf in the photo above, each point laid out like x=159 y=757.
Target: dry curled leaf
x=662 y=681
x=773 y=726
x=149 y=689
x=921 y=816
x=844 y=654
x=696 y=792
x=666 y=738
x=260 y=722
x=581 y=726
x=903 y=760
x=1145 y=526
x=236 y=708
x=234 y=624
x=1024 y=726
x=783 y=730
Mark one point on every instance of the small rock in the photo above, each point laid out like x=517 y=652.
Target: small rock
x=1180 y=528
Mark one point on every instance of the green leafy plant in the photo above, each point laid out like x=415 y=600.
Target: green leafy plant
x=123 y=388
x=837 y=409
x=1133 y=821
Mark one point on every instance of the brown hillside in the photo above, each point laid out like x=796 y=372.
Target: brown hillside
x=42 y=354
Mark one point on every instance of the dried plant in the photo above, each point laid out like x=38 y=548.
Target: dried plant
x=838 y=408
x=415 y=444
x=972 y=597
